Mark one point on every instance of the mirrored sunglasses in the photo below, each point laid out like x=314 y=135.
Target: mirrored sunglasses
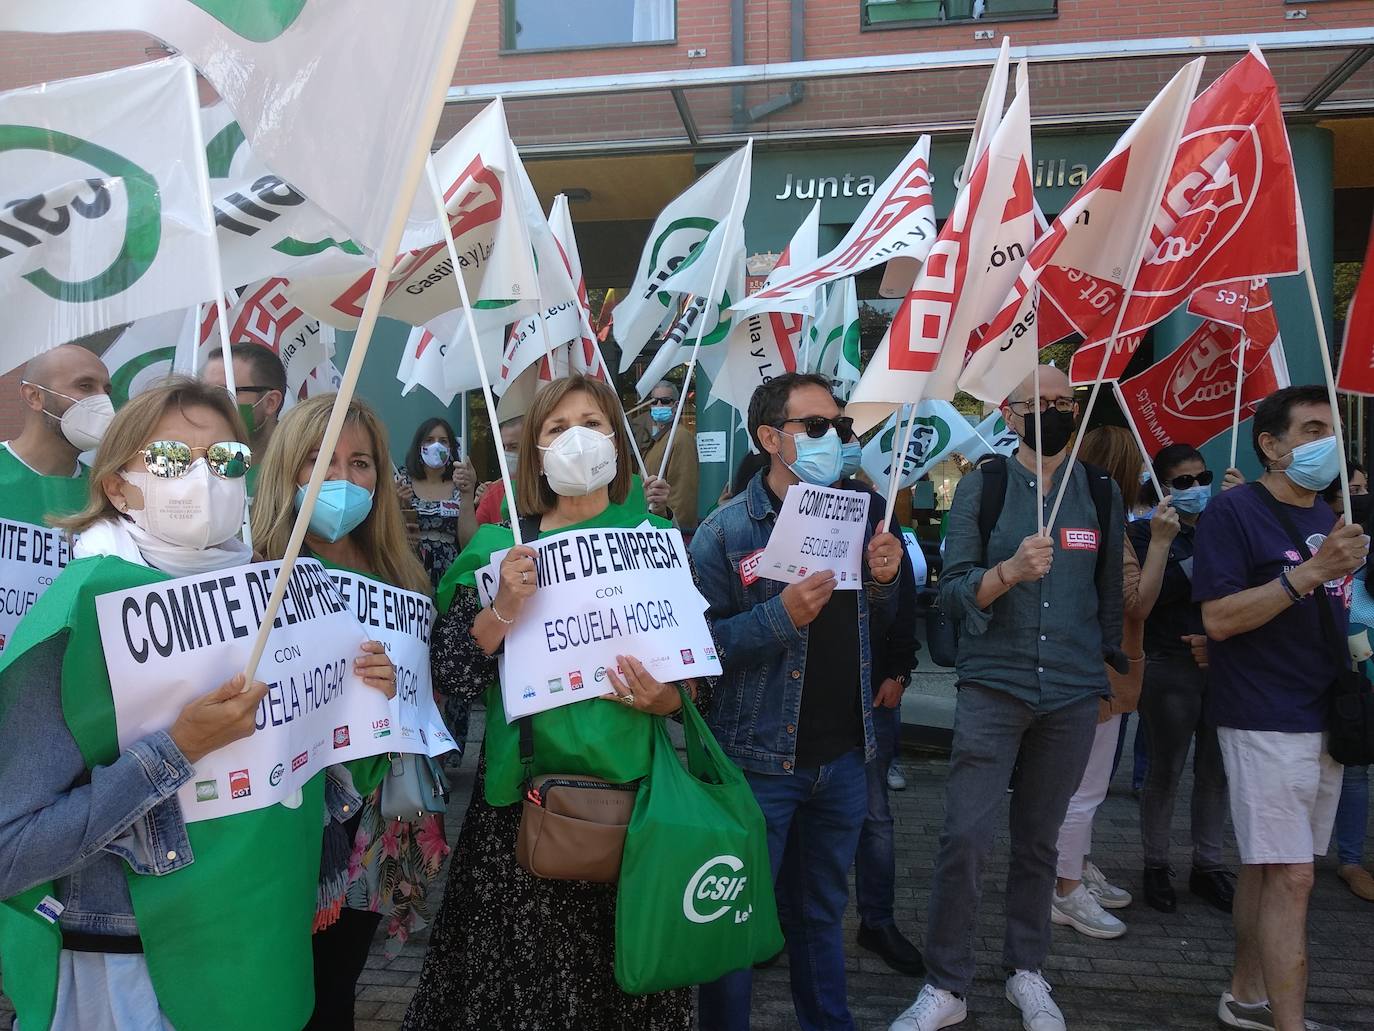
x=169 y=459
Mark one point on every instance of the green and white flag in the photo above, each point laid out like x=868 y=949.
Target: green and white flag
x=939 y=431
x=832 y=347
x=993 y=437
x=104 y=208
x=327 y=91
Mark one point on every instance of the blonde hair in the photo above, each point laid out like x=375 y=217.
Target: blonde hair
x=382 y=535
x=131 y=430
x=532 y=491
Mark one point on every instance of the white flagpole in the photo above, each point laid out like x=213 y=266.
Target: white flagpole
x=1139 y=443
x=1235 y=414
x=721 y=259
x=463 y=428
x=436 y=91
x=624 y=414
x=442 y=209
x=1039 y=446
x=894 y=475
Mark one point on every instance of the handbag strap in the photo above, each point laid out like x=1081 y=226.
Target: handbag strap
x=1328 y=621
x=529 y=531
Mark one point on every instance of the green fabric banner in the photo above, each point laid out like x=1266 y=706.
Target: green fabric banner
x=27 y=497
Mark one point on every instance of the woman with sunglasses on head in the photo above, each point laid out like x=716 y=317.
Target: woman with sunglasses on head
x=370 y=869
x=511 y=950
x=1172 y=701
x=440 y=484
x=121 y=915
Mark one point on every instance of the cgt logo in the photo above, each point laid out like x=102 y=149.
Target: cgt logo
x=716 y=881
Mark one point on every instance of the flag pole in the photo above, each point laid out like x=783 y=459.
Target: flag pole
x=437 y=193
x=437 y=90
x=894 y=475
x=1139 y=443
x=721 y=259
x=463 y=420
x=624 y=414
x=1235 y=414
x=1039 y=458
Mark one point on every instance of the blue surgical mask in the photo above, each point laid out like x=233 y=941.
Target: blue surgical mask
x=1193 y=500
x=661 y=413
x=851 y=456
x=1315 y=464
x=820 y=460
x=339 y=510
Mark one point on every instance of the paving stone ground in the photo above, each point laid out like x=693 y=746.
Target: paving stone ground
x=1166 y=973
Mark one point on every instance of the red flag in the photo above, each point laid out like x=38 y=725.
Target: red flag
x=1189 y=396
x=1229 y=212
x=1247 y=305
x=1356 y=374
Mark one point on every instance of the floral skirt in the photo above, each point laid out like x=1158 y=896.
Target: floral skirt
x=522 y=953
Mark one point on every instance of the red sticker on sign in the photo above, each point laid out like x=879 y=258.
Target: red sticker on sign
x=749 y=567
x=1078 y=540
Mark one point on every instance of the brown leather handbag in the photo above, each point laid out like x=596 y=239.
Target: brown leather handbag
x=572 y=826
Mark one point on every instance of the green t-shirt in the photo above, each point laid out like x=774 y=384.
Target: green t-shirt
x=30 y=497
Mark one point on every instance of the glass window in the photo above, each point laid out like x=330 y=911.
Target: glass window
x=564 y=24
x=886 y=12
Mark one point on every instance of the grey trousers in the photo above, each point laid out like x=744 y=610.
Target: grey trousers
x=990 y=729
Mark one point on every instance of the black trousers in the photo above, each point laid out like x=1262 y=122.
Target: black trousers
x=340 y=955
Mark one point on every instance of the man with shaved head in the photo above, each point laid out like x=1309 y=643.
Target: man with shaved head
x=66 y=397
x=1038 y=615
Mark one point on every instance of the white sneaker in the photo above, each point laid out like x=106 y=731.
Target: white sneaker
x=1108 y=895
x=933 y=1009
x=1030 y=993
x=1081 y=911
x=896 y=779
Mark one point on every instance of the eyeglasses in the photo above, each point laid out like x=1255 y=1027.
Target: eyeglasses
x=169 y=459
x=818 y=425
x=1186 y=480
x=1063 y=406
x=239 y=387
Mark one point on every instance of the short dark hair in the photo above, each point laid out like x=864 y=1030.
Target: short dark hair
x=1334 y=491
x=1169 y=458
x=268 y=371
x=768 y=406
x=1273 y=414
x=414 y=464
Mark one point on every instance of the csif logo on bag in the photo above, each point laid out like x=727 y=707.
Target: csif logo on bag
x=715 y=890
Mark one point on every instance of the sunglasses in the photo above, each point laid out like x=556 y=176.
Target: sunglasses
x=1202 y=479
x=169 y=459
x=818 y=425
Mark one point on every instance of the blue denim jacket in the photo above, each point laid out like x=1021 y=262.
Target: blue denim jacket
x=81 y=828
x=757 y=699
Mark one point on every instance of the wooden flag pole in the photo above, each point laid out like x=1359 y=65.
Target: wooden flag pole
x=437 y=90
x=1235 y=414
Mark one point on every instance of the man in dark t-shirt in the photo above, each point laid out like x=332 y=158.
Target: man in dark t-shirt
x=1269 y=555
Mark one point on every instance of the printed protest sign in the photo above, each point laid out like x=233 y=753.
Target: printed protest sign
x=170 y=642
x=401 y=620
x=30 y=559
x=818 y=528
x=601 y=593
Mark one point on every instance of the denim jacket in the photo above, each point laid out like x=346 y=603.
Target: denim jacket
x=81 y=827
x=757 y=700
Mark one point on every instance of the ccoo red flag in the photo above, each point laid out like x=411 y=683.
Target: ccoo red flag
x=1188 y=397
x=1356 y=374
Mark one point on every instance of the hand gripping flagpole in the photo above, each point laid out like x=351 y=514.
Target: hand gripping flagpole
x=894 y=475
x=1235 y=414
x=442 y=209
x=1139 y=443
x=437 y=89
x=711 y=299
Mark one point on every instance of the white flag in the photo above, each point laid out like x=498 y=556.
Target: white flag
x=937 y=431
x=898 y=222
x=326 y=90
x=104 y=207
x=833 y=344
x=586 y=353
x=146 y=351
x=422 y=365
x=963 y=281
x=479 y=172
x=992 y=437
x=800 y=253
x=680 y=255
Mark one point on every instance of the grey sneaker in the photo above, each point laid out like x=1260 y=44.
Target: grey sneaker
x=896 y=779
x=1256 y=1016
x=1108 y=895
x=1081 y=911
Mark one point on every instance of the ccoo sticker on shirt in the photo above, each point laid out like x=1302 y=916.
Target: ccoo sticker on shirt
x=749 y=567
x=1077 y=540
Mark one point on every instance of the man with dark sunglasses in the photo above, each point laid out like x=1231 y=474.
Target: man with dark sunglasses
x=794 y=706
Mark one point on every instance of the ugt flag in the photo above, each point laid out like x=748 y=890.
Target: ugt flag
x=1229 y=211
x=1189 y=396
x=1247 y=305
x=938 y=430
x=104 y=213
x=307 y=79
x=1356 y=372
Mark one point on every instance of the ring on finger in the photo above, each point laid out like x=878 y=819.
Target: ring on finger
x=524 y=577
x=628 y=698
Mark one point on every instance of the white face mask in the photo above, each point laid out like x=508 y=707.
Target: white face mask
x=85 y=421
x=579 y=461
x=434 y=454
x=195 y=511
x=512 y=459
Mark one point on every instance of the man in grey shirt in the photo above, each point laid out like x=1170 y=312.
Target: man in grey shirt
x=1038 y=616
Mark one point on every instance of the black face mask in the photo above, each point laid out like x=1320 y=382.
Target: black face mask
x=1056 y=428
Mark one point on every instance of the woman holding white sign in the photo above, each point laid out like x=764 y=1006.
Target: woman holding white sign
x=366 y=858
x=509 y=949
x=120 y=914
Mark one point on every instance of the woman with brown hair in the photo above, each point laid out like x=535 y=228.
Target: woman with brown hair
x=371 y=868
x=1083 y=895
x=510 y=950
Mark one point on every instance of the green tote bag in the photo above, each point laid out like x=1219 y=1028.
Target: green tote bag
x=696 y=888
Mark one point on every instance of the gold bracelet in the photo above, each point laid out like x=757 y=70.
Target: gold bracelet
x=495 y=612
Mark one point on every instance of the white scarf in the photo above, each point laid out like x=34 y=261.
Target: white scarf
x=122 y=539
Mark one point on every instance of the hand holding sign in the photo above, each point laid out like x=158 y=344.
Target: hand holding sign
x=225 y=715
x=884 y=557
x=376 y=669
x=639 y=690
x=804 y=601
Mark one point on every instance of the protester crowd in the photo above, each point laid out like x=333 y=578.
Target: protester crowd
x=1227 y=620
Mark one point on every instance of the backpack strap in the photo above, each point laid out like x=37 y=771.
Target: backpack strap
x=994 y=496
x=1100 y=487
